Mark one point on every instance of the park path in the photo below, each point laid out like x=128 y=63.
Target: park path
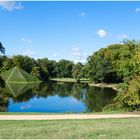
x=66 y=116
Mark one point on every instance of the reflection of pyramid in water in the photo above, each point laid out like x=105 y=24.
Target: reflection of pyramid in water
x=17 y=75
x=17 y=89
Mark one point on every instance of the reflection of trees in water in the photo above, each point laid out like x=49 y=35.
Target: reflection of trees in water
x=26 y=96
x=24 y=92
x=94 y=98
x=3 y=98
x=43 y=90
x=2 y=83
x=78 y=91
x=70 y=89
x=19 y=92
x=3 y=102
x=62 y=89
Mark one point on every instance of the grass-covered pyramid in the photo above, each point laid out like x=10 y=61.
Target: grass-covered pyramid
x=17 y=75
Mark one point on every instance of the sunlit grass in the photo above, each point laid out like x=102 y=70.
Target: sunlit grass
x=72 y=129
x=69 y=80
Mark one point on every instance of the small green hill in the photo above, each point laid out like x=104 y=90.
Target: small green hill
x=17 y=75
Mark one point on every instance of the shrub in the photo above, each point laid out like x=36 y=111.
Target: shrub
x=110 y=107
x=129 y=99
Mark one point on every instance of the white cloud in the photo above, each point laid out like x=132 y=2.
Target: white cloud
x=54 y=54
x=122 y=36
x=137 y=10
x=26 y=40
x=73 y=101
x=11 y=5
x=30 y=53
x=101 y=33
x=25 y=107
x=85 y=54
x=76 y=51
x=78 y=55
x=83 y=14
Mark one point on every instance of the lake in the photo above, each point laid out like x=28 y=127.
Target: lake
x=54 y=97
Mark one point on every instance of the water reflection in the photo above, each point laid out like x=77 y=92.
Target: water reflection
x=97 y=98
x=15 y=89
x=54 y=97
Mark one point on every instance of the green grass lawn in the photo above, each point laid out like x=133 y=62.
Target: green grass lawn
x=71 y=129
x=84 y=80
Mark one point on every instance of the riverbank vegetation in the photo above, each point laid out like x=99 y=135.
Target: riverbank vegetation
x=113 y=64
x=74 y=129
x=117 y=63
x=128 y=97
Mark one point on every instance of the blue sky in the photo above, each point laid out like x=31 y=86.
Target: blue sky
x=66 y=30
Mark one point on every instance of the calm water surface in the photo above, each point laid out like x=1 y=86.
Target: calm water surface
x=54 y=97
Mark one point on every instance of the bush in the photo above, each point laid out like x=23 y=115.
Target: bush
x=130 y=98
x=111 y=107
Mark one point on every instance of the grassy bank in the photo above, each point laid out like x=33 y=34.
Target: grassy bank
x=83 y=80
x=72 y=129
x=104 y=85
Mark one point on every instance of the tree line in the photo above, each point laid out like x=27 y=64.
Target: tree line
x=44 y=69
x=114 y=64
x=117 y=63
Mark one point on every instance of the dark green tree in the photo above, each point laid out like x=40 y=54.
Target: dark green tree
x=99 y=68
x=77 y=71
x=24 y=62
x=36 y=72
x=2 y=49
x=63 y=68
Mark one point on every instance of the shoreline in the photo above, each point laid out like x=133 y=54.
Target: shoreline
x=69 y=80
x=101 y=85
x=104 y=85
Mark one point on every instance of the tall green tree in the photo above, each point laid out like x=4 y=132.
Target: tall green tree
x=42 y=63
x=64 y=68
x=7 y=63
x=77 y=71
x=36 y=72
x=116 y=63
x=24 y=62
x=2 y=49
x=99 y=68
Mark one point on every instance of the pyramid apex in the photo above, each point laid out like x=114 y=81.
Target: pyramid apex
x=16 y=67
